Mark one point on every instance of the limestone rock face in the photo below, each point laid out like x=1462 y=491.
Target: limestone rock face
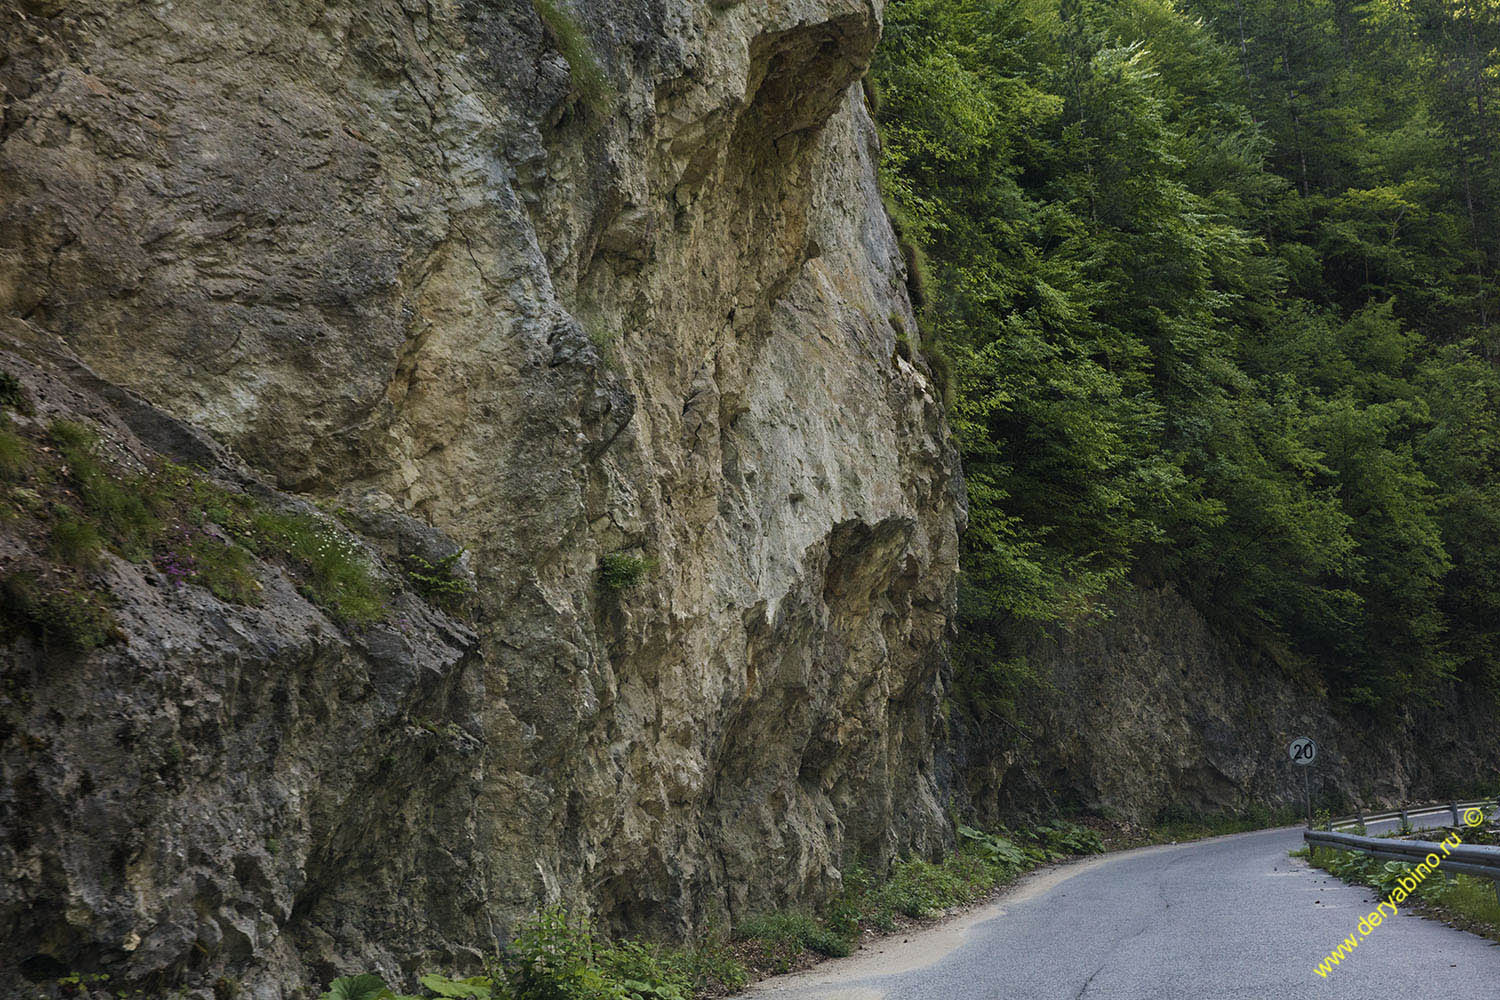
x=227 y=785
x=561 y=281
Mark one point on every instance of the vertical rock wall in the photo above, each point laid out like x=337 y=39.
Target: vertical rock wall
x=405 y=256
x=1154 y=713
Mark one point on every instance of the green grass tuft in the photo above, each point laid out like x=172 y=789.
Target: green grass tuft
x=333 y=571
x=619 y=571
x=115 y=502
x=191 y=529
x=1178 y=824
x=913 y=889
x=75 y=540
x=15 y=453
x=560 y=956
x=226 y=569
x=785 y=936
x=556 y=955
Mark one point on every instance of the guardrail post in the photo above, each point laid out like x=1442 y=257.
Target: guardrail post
x=1359 y=816
x=1454 y=807
x=1405 y=821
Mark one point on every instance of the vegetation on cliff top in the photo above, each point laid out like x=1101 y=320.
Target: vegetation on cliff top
x=1217 y=284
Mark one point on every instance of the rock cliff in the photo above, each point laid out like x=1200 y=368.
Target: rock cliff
x=1154 y=712
x=601 y=293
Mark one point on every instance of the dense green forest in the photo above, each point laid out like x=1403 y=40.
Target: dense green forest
x=1213 y=286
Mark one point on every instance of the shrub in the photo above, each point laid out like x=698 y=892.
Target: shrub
x=439 y=583
x=558 y=956
x=918 y=888
x=1462 y=900
x=366 y=986
x=709 y=966
x=555 y=956
x=551 y=958
x=785 y=936
x=1061 y=837
x=993 y=848
x=473 y=988
x=643 y=974
x=619 y=571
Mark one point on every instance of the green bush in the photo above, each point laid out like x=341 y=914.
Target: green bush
x=787 y=935
x=1175 y=822
x=1468 y=901
x=557 y=956
x=1062 y=838
x=709 y=966
x=439 y=583
x=366 y=986
x=552 y=958
x=473 y=988
x=619 y=571
x=640 y=969
x=993 y=848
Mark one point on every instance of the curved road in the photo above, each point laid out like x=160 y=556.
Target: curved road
x=1231 y=918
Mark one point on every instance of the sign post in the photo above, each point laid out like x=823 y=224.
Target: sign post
x=1304 y=750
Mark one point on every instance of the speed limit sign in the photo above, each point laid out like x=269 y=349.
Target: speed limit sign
x=1303 y=750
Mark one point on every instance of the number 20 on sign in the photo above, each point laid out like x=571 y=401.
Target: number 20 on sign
x=1303 y=750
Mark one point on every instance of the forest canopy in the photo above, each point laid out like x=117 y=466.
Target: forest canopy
x=1213 y=285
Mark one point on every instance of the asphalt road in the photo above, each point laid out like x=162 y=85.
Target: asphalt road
x=1231 y=918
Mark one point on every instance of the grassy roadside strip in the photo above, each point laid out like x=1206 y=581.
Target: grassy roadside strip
x=558 y=956
x=1459 y=901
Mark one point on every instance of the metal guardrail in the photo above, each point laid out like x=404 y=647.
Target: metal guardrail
x=1452 y=811
x=1465 y=859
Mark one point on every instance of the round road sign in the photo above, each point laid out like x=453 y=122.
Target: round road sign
x=1303 y=750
